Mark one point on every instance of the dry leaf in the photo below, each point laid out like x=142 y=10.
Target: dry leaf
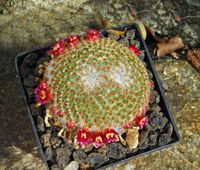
x=170 y=46
x=193 y=56
x=132 y=138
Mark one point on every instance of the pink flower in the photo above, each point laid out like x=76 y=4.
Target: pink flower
x=151 y=84
x=92 y=34
x=134 y=49
x=84 y=137
x=70 y=125
x=58 y=48
x=98 y=139
x=73 y=40
x=110 y=135
x=42 y=93
x=141 y=121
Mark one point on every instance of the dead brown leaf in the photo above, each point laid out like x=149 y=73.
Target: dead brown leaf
x=170 y=46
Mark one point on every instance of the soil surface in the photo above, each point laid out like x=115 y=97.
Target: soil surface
x=27 y=24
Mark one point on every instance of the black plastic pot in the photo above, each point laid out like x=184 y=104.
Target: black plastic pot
x=163 y=102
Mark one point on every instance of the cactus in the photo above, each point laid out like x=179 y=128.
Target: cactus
x=96 y=84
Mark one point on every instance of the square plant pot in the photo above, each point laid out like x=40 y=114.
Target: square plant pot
x=160 y=131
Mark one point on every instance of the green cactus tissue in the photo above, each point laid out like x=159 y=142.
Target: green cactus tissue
x=96 y=87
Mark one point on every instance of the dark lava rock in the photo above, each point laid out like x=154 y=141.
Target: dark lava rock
x=55 y=142
x=35 y=110
x=44 y=58
x=144 y=145
x=88 y=148
x=143 y=136
x=97 y=159
x=30 y=60
x=157 y=121
x=124 y=41
x=45 y=139
x=150 y=74
x=155 y=107
x=79 y=156
x=30 y=81
x=48 y=153
x=149 y=127
x=103 y=149
x=169 y=129
x=30 y=92
x=113 y=36
x=164 y=139
x=116 y=151
x=25 y=71
x=130 y=34
x=132 y=151
x=40 y=124
x=55 y=167
x=63 y=157
x=153 y=138
x=68 y=145
x=157 y=97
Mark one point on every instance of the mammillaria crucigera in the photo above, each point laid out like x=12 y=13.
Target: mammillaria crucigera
x=95 y=86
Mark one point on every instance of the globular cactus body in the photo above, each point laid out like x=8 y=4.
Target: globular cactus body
x=97 y=85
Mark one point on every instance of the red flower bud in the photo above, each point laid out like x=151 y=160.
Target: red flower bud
x=92 y=34
x=73 y=40
x=141 y=121
x=58 y=48
x=134 y=49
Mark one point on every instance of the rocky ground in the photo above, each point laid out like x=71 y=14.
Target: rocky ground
x=27 y=24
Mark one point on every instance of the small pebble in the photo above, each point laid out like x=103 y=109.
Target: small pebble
x=55 y=142
x=45 y=139
x=48 y=153
x=40 y=124
x=79 y=156
x=73 y=165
